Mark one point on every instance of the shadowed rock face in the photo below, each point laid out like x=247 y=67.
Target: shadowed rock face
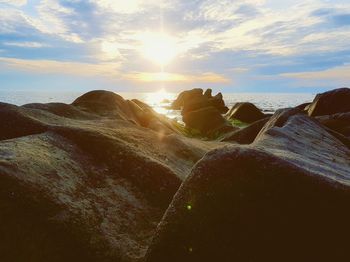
x=203 y=112
x=87 y=182
x=331 y=102
x=338 y=122
x=246 y=135
x=245 y=112
x=283 y=198
x=185 y=96
x=207 y=120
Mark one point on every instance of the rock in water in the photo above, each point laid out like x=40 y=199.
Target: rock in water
x=195 y=99
x=331 y=102
x=207 y=120
x=185 y=96
x=284 y=198
x=245 y=112
x=246 y=135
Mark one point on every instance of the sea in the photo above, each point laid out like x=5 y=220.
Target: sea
x=160 y=101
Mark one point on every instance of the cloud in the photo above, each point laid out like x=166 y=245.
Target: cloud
x=109 y=70
x=337 y=73
x=335 y=77
x=208 y=77
x=14 y=2
x=26 y=44
x=105 y=70
x=105 y=37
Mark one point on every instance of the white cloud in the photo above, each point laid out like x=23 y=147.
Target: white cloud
x=336 y=73
x=337 y=76
x=108 y=70
x=208 y=77
x=26 y=44
x=14 y=2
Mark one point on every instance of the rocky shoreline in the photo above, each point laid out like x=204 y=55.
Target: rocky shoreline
x=108 y=179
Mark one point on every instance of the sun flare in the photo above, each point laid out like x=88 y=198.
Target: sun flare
x=156 y=98
x=159 y=48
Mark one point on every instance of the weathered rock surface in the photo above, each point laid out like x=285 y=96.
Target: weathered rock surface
x=283 y=198
x=87 y=182
x=245 y=112
x=331 y=102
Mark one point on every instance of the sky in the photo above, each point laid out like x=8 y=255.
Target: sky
x=285 y=46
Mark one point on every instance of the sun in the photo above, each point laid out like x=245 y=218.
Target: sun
x=159 y=48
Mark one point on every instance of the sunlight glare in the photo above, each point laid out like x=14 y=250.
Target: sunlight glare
x=110 y=50
x=158 y=97
x=159 y=48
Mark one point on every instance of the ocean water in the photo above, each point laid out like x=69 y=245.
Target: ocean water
x=268 y=102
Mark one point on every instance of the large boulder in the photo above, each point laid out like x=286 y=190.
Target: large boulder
x=88 y=184
x=109 y=104
x=203 y=112
x=185 y=96
x=195 y=99
x=283 y=198
x=245 y=112
x=331 y=102
x=207 y=120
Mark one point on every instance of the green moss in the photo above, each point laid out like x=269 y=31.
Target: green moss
x=237 y=123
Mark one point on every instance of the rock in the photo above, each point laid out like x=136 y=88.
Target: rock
x=195 y=104
x=303 y=107
x=88 y=184
x=208 y=93
x=194 y=107
x=331 y=102
x=185 y=96
x=246 y=135
x=195 y=99
x=245 y=112
x=283 y=198
x=16 y=123
x=104 y=103
x=338 y=122
x=207 y=120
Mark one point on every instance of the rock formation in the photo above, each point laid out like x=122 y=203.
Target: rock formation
x=283 y=198
x=203 y=112
x=245 y=112
x=87 y=181
x=331 y=102
x=107 y=179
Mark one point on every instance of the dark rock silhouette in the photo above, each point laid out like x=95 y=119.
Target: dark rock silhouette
x=195 y=99
x=245 y=112
x=246 y=135
x=283 y=198
x=303 y=107
x=185 y=96
x=338 y=122
x=331 y=102
x=203 y=112
x=207 y=120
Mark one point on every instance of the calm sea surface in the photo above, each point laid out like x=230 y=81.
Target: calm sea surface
x=268 y=102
